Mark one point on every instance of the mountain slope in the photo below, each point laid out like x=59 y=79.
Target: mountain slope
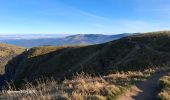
x=130 y=53
x=69 y=40
x=7 y=52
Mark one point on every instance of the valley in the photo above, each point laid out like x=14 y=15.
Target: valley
x=127 y=67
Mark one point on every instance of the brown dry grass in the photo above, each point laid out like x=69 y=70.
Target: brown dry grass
x=165 y=84
x=82 y=87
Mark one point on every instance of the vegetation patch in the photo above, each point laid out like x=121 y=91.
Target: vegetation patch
x=81 y=87
x=165 y=85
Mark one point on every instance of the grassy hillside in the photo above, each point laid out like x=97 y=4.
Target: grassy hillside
x=7 y=52
x=130 y=53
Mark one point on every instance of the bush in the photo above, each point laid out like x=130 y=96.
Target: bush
x=165 y=85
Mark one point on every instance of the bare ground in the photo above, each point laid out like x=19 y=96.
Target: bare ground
x=147 y=90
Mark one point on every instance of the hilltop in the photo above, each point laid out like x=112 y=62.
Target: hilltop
x=136 y=52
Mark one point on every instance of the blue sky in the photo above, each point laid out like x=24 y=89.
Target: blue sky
x=83 y=16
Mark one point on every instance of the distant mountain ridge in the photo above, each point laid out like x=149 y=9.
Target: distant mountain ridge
x=79 y=39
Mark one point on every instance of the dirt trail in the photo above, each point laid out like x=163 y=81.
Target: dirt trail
x=146 y=90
